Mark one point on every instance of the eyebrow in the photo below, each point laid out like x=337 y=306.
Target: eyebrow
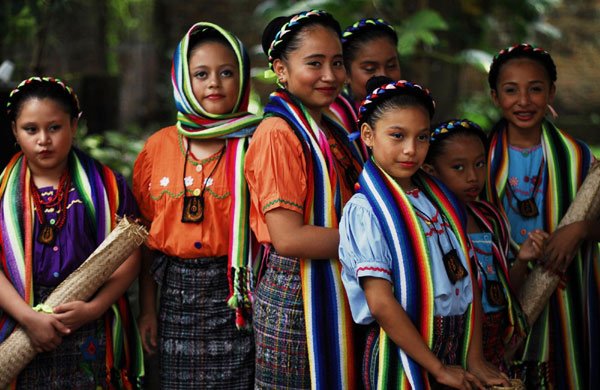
x=367 y=62
x=529 y=82
x=206 y=66
x=321 y=56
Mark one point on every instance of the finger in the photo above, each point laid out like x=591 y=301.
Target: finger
x=473 y=379
x=153 y=336
x=61 y=328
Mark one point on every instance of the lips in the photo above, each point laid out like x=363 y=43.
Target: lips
x=407 y=164
x=214 y=96
x=473 y=192
x=45 y=153
x=525 y=115
x=327 y=90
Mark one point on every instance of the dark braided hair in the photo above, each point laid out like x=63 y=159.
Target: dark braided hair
x=448 y=130
x=387 y=94
x=42 y=88
x=281 y=37
x=522 y=50
x=363 y=32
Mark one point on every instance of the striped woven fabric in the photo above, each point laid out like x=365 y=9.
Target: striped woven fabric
x=97 y=187
x=412 y=273
x=566 y=333
x=326 y=308
x=195 y=122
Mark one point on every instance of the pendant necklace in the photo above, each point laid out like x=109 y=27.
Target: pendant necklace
x=48 y=229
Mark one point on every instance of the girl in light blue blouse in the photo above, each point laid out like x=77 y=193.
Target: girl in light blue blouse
x=404 y=255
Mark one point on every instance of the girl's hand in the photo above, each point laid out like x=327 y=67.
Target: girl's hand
x=147 y=326
x=487 y=373
x=562 y=246
x=75 y=314
x=45 y=331
x=457 y=378
x=533 y=247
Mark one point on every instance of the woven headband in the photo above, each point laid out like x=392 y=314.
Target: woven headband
x=53 y=80
x=364 y=24
x=447 y=127
x=520 y=48
x=293 y=23
x=391 y=89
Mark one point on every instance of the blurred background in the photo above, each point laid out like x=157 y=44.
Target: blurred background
x=117 y=56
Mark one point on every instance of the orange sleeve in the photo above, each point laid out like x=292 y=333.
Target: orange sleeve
x=275 y=170
x=142 y=174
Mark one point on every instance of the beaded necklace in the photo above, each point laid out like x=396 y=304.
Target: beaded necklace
x=48 y=229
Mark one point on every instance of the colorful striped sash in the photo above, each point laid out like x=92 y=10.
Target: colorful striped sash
x=342 y=112
x=497 y=225
x=326 y=308
x=567 y=329
x=96 y=184
x=412 y=272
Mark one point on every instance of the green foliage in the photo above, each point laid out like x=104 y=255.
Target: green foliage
x=419 y=29
x=116 y=149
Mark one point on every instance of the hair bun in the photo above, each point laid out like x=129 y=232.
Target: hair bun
x=269 y=32
x=376 y=82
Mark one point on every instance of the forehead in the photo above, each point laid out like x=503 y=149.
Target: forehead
x=318 y=39
x=212 y=52
x=409 y=117
x=522 y=68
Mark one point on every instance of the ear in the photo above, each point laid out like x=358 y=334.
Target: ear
x=367 y=134
x=552 y=92
x=494 y=95
x=429 y=169
x=74 y=123
x=13 y=125
x=280 y=69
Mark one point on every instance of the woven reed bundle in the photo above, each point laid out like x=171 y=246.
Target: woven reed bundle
x=540 y=284
x=515 y=384
x=17 y=351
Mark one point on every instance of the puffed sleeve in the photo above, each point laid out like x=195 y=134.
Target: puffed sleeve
x=363 y=252
x=142 y=174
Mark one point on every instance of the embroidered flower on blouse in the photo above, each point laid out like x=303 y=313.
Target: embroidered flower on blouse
x=513 y=181
x=149 y=186
x=164 y=181
x=208 y=181
x=188 y=181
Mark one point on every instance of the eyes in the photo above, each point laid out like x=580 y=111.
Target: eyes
x=335 y=63
x=223 y=73
x=372 y=69
x=461 y=167
x=510 y=90
x=399 y=135
x=33 y=129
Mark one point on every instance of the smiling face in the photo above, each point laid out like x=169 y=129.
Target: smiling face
x=399 y=142
x=45 y=133
x=314 y=72
x=215 y=77
x=377 y=57
x=523 y=93
x=461 y=166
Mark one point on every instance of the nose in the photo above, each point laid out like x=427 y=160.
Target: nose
x=328 y=74
x=524 y=97
x=213 y=80
x=410 y=147
x=44 y=137
x=471 y=176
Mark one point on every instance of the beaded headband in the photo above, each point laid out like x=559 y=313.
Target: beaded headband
x=391 y=89
x=523 y=47
x=287 y=27
x=447 y=127
x=363 y=24
x=30 y=80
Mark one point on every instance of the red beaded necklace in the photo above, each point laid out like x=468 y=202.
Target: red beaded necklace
x=47 y=232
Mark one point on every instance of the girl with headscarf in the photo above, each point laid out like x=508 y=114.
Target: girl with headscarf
x=189 y=183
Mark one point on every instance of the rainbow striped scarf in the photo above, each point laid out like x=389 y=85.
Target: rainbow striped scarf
x=343 y=112
x=192 y=120
x=196 y=123
x=96 y=184
x=412 y=273
x=495 y=223
x=326 y=308
x=567 y=329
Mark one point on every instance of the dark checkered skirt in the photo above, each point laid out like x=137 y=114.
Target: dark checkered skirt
x=77 y=363
x=494 y=326
x=447 y=341
x=279 y=327
x=200 y=346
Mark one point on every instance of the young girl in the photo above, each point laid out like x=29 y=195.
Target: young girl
x=189 y=183
x=369 y=50
x=402 y=245
x=457 y=156
x=301 y=169
x=57 y=206
x=534 y=172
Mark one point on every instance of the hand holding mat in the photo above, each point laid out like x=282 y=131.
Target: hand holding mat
x=17 y=351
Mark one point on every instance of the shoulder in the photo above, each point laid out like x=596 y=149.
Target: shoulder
x=273 y=126
x=165 y=136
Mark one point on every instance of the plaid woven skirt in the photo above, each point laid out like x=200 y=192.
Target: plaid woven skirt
x=494 y=325
x=447 y=340
x=279 y=327
x=200 y=346
x=77 y=363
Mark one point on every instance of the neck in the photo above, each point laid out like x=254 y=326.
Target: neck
x=316 y=114
x=48 y=177
x=406 y=184
x=524 y=138
x=472 y=225
x=205 y=148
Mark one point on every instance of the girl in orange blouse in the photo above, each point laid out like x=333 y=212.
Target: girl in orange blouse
x=190 y=185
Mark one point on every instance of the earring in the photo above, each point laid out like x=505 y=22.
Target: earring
x=552 y=111
x=280 y=82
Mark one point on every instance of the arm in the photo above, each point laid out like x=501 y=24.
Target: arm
x=476 y=363
x=393 y=319
x=292 y=238
x=147 y=322
x=77 y=313
x=44 y=330
x=564 y=243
